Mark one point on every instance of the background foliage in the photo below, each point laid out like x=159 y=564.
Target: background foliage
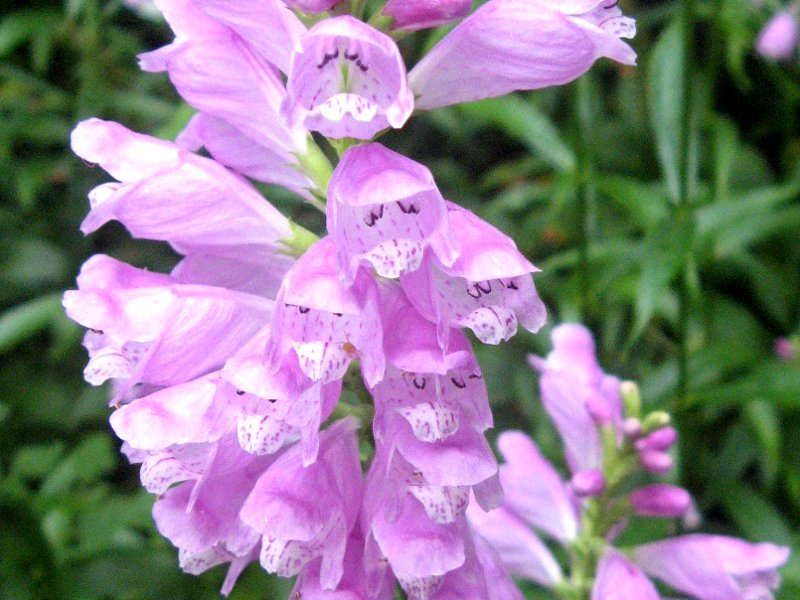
x=686 y=275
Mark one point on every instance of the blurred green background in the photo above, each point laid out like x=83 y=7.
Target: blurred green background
x=678 y=245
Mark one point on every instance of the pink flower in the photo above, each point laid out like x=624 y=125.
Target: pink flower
x=509 y=45
x=385 y=210
x=571 y=383
x=714 y=567
x=228 y=233
x=276 y=406
x=235 y=85
x=325 y=323
x=488 y=288
x=421 y=14
x=779 y=37
x=619 y=579
x=347 y=80
x=147 y=327
x=201 y=517
x=305 y=513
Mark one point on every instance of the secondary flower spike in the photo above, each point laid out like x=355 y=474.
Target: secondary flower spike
x=347 y=80
x=509 y=45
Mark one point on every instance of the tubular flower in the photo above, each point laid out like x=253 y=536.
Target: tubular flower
x=347 y=80
x=488 y=288
x=236 y=87
x=385 y=210
x=509 y=45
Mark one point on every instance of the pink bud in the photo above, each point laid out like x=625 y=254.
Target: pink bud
x=588 y=483
x=778 y=38
x=660 y=500
x=311 y=6
x=660 y=439
x=655 y=461
x=632 y=427
x=599 y=410
x=784 y=349
x=420 y=14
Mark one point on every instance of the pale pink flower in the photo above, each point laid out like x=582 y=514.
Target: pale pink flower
x=509 y=45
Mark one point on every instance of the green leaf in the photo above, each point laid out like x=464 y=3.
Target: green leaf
x=771 y=379
x=665 y=252
x=90 y=460
x=757 y=518
x=21 y=322
x=645 y=203
x=666 y=89
x=764 y=420
x=523 y=121
x=32 y=462
x=23 y=25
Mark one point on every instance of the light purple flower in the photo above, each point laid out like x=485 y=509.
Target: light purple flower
x=713 y=567
x=276 y=406
x=147 y=327
x=325 y=323
x=213 y=217
x=305 y=513
x=419 y=550
x=432 y=407
x=237 y=90
x=481 y=576
x=347 y=80
x=543 y=501
x=521 y=551
x=778 y=39
x=268 y=26
x=202 y=518
x=421 y=14
x=488 y=288
x=571 y=380
x=509 y=45
x=356 y=583
x=619 y=579
x=385 y=209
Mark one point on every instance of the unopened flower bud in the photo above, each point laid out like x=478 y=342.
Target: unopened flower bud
x=632 y=427
x=588 y=483
x=655 y=420
x=311 y=6
x=778 y=38
x=599 y=410
x=655 y=461
x=631 y=398
x=785 y=349
x=660 y=439
x=660 y=500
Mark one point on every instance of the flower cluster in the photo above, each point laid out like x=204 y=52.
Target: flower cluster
x=608 y=443
x=228 y=372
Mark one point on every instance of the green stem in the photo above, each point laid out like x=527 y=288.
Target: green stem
x=688 y=16
x=583 y=185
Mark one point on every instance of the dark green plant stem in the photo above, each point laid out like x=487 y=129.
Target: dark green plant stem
x=89 y=71
x=688 y=16
x=583 y=186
